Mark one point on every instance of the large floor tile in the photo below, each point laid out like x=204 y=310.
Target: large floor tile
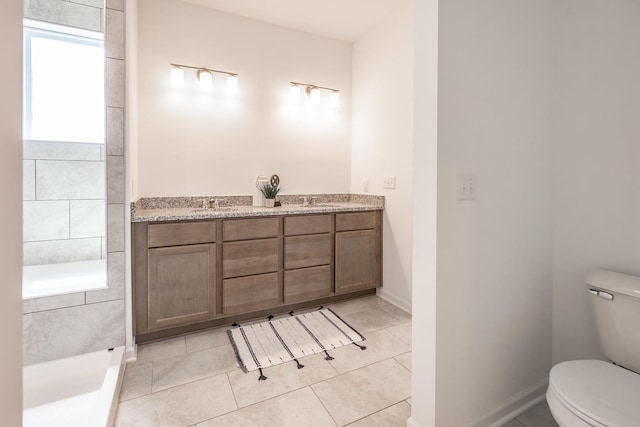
x=179 y=406
x=357 y=305
x=402 y=331
x=161 y=350
x=370 y=320
x=405 y=360
x=280 y=379
x=295 y=409
x=380 y=345
x=393 y=416
x=359 y=393
x=136 y=381
x=396 y=312
x=538 y=416
x=207 y=339
x=193 y=366
x=513 y=423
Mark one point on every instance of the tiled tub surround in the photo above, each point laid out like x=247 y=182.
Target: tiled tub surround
x=190 y=208
x=64 y=202
x=82 y=322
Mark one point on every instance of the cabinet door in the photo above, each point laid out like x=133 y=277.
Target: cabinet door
x=358 y=260
x=181 y=285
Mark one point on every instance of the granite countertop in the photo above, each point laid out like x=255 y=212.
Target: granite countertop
x=190 y=208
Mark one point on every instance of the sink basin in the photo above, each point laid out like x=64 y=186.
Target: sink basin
x=221 y=209
x=320 y=205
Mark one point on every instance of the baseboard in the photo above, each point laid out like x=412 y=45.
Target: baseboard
x=131 y=353
x=403 y=305
x=513 y=407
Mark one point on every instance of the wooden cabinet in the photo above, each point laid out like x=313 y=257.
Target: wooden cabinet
x=358 y=262
x=181 y=283
x=190 y=275
x=175 y=271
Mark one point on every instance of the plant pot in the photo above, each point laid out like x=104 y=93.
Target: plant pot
x=269 y=203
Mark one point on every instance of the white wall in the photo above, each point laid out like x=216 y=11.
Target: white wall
x=11 y=213
x=493 y=269
x=596 y=173
x=190 y=143
x=425 y=168
x=382 y=139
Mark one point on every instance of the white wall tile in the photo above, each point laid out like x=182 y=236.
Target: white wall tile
x=115 y=280
x=69 y=331
x=115 y=83
x=87 y=218
x=45 y=220
x=115 y=131
x=115 y=179
x=52 y=150
x=64 y=12
x=114 y=35
x=53 y=302
x=93 y=3
x=115 y=228
x=28 y=180
x=115 y=4
x=69 y=180
x=57 y=251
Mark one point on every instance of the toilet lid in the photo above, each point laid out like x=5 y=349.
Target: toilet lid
x=599 y=390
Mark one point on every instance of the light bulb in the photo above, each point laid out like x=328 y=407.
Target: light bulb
x=206 y=79
x=334 y=99
x=232 y=84
x=177 y=77
x=314 y=94
x=294 y=93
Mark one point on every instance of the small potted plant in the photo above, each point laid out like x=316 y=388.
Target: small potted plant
x=270 y=191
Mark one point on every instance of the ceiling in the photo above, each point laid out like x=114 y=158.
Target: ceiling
x=345 y=20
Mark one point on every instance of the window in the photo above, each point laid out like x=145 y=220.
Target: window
x=64 y=84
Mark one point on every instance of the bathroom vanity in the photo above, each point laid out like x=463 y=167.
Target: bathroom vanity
x=198 y=268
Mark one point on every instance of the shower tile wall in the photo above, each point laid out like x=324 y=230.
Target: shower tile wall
x=66 y=325
x=64 y=202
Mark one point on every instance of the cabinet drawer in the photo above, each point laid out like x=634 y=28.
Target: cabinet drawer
x=255 y=228
x=307 y=284
x=249 y=257
x=356 y=221
x=246 y=294
x=307 y=251
x=308 y=224
x=183 y=233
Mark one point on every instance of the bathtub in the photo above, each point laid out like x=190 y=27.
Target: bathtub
x=78 y=391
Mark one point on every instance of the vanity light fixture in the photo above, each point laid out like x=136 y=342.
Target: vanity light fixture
x=313 y=92
x=294 y=92
x=177 y=76
x=205 y=76
x=206 y=79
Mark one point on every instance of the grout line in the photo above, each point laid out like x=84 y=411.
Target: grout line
x=323 y=405
x=233 y=393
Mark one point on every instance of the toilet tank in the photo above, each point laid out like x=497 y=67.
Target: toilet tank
x=616 y=302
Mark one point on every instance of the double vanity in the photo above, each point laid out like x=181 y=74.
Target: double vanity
x=197 y=267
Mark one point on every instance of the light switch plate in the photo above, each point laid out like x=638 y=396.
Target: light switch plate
x=389 y=182
x=466 y=187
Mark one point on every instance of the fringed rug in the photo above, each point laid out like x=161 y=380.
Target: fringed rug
x=273 y=342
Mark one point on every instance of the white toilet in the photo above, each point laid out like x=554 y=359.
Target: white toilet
x=593 y=392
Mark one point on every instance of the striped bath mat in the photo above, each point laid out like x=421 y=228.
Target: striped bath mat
x=273 y=342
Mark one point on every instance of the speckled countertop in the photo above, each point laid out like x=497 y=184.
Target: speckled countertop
x=190 y=208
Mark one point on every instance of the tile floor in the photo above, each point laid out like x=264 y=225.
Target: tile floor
x=194 y=380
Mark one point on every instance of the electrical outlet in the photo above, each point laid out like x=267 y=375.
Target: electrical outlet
x=365 y=185
x=389 y=182
x=466 y=187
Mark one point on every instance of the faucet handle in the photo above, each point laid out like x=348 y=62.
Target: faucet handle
x=305 y=201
